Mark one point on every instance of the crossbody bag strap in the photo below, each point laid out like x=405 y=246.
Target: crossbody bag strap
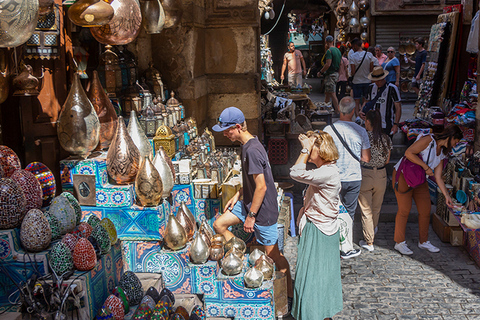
x=344 y=143
x=356 y=69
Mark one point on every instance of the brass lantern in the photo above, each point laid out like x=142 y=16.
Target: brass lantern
x=154 y=80
x=148 y=121
x=165 y=138
x=109 y=72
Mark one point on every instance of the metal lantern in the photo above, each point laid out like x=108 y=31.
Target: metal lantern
x=342 y=22
x=364 y=22
x=342 y=8
x=364 y=36
x=354 y=23
x=154 y=80
x=165 y=138
x=353 y=9
x=109 y=72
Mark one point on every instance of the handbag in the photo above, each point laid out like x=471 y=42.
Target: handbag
x=350 y=79
x=413 y=173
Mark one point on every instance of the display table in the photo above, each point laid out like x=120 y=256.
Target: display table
x=471 y=239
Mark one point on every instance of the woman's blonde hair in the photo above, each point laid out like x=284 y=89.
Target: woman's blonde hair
x=327 y=150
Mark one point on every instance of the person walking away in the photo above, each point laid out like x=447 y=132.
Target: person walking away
x=318 y=284
x=428 y=152
x=333 y=58
x=295 y=62
x=361 y=64
x=258 y=211
x=381 y=57
x=353 y=146
x=342 y=75
x=386 y=98
x=392 y=65
x=374 y=178
x=420 y=60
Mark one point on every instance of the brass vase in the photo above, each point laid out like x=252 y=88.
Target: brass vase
x=204 y=235
x=253 y=278
x=175 y=236
x=153 y=16
x=216 y=252
x=232 y=265
x=199 y=251
x=207 y=229
x=138 y=136
x=186 y=223
x=90 y=13
x=265 y=267
x=105 y=112
x=254 y=256
x=124 y=26
x=219 y=238
x=237 y=243
x=123 y=157
x=236 y=252
x=165 y=172
x=19 y=20
x=183 y=206
x=78 y=127
x=148 y=185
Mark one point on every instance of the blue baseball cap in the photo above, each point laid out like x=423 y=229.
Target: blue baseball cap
x=229 y=117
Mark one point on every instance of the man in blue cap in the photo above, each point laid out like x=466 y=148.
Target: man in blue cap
x=258 y=211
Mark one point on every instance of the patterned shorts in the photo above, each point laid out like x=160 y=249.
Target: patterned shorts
x=331 y=82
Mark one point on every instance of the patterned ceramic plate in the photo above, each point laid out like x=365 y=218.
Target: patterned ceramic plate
x=9 y=160
x=46 y=179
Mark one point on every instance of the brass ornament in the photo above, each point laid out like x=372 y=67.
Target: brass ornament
x=254 y=256
x=199 y=251
x=207 y=229
x=26 y=83
x=219 y=238
x=18 y=22
x=253 y=278
x=153 y=16
x=204 y=235
x=265 y=267
x=342 y=8
x=237 y=243
x=364 y=5
x=161 y=164
x=148 y=185
x=90 y=13
x=138 y=136
x=232 y=265
x=175 y=236
x=186 y=223
x=236 y=252
x=342 y=22
x=45 y=7
x=166 y=139
x=183 y=206
x=216 y=252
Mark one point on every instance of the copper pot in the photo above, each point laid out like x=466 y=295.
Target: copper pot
x=216 y=252
x=90 y=13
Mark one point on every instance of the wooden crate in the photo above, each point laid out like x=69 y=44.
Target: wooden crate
x=441 y=228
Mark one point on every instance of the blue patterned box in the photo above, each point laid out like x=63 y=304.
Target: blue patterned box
x=208 y=208
x=95 y=166
x=182 y=192
x=240 y=309
x=113 y=196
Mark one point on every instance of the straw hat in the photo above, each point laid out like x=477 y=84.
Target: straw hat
x=378 y=73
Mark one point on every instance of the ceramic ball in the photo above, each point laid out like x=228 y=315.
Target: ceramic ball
x=70 y=240
x=159 y=312
x=103 y=240
x=60 y=258
x=35 y=232
x=54 y=225
x=132 y=287
x=167 y=292
x=9 y=161
x=149 y=301
x=143 y=312
x=12 y=204
x=84 y=257
x=31 y=188
x=199 y=312
x=183 y=312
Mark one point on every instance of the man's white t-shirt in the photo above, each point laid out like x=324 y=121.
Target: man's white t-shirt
x=361 y=74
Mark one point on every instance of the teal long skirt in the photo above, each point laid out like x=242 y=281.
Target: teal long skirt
x=318 y=283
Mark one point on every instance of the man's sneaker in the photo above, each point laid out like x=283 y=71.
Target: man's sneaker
x=428 y=246
x=350 y=254
x=365 y=246
x=403 y=248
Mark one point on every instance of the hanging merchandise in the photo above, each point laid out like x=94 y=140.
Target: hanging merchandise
x=45 y=40
x=342 y=8
x=353 y=10
x=173 y=13
x=19 y=19
x=342 y=23
x=472 y=43
x=364 y=5
x=45 y=7
x=26 y=83
x=364 y=36
x=109 y=72
x=353 y=23
x=153 y=16
x=364 y=22
x=90 y=13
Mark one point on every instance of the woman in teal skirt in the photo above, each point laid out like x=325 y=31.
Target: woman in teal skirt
x=318 y=285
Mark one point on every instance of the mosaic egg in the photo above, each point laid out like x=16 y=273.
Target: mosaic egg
x=46 y=179
x=54 y=225
x=152 y=292
x=84 y=230
x=159 y=312
x=93 y=220
x=116 y=307
x=12 y=204
x=167 y=292
x=104 y=314
x=9 y=161
x=132 y=287
x=199 y=313
x=84 y=257
x=183 y=312
x=31 y=188
x=177 y=316
x=61 y=209
x=70 y=240
x=149 y=301
x=110 y=227
x=143 y=312
x=166 y=303
x=103 y=240
x=157 y=317
x=118 y=292
x=74 y=203
x=96 y=247
x=60 y=258
x=35 y=232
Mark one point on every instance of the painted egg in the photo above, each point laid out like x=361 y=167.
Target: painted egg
x=9 y=161
x=65 y=214
x=177 y=316
x=116 y=307
x=31 y=188
x=132 y=287
x=35 y=232
x=166 y=303
x=46 y=179
x=61 y=259
x=149 y=301
x=110 y=227
x=167 y=292
x=183 y=312
x=103 y=240
x=70 y=240
x=143 y=312
x=159 y=312
x=118 y=292
x=93 y=220
x=12 y=204
x=75 y=205
x=199 y=312
x=84 y=230
x=104 y=314
x=54 y=225
x=152 y=292
x=84 y=257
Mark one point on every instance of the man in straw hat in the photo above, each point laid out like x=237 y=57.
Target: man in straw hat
x=384 y=97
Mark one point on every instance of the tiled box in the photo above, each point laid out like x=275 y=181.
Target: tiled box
x=182 y=192
x=112 y=196
x=95 y=166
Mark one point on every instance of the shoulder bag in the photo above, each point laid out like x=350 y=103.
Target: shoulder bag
x=350 y=79
x=413 y=173
x=344 y=143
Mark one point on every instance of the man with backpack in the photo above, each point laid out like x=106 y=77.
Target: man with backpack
x=333 y=57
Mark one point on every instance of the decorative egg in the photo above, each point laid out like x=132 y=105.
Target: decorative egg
x=12 y=204
x=160 y=312
x=75 y=205
x=167 y=303
x=167 y=292
x=65 y=214
x=111 y=230
x=143 y=312
x=96 y=247
x=101 y=235
x=177 y=316
x=46 y=179
x=183 y=312
x=70 y=240
x=31 y=188
x=104 y=313
x=84 y=257
x=93 y=220
x=149 y=301
x=118 y=292
x=152 y=292
x=9 y=161
x=54 y=225
x=60 y=258
x=116 y=307
x=35 y=232
x=84 y=230
x=199 y=312
x=132 y=287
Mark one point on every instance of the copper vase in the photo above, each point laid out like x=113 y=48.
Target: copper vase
x=19 y=19
x=161 y=164
x=186 y=223
x=175 y=236
x=90 y=13
x=78 y=127
x=148 y=185
x=124 y=26
x=123 y=157
x=183 y=206
x=105 y=112
x=153 y=16
x=138 y=136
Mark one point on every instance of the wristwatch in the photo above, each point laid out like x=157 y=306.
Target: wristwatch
x=305 y=150
x=252 y=214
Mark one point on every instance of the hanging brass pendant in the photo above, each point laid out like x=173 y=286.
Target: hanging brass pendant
x=165 y=172
x=186 y=223
x=148 y=185
x=123 y=156
x=175 y=236
x=105 y=112
x=78 y=127
x=153 y=16
x=90 y=13
x=199 y=251
x=138 y=136
x=19 y=19
x=26 y=83
x=189 y=214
